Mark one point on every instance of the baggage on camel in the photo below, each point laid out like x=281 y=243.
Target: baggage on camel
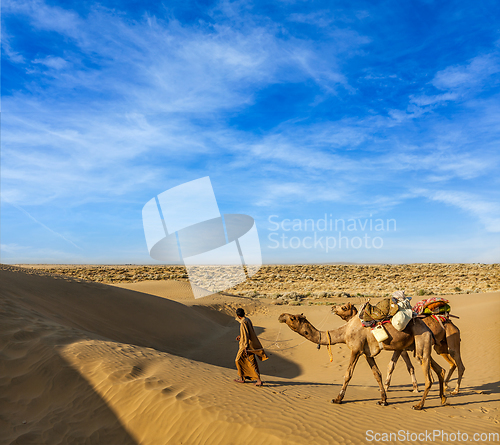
x=381 y=311
x=434 y=305
x=396 y=309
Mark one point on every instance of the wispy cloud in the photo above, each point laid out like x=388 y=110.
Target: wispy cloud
x=306 y=192
x=7 y=50
x=459 y=81
x=470 y=75
x=437 y=98
x=288 y=109
x=45 y=17
x=317 y=18
x=44 y=226
x=56 y=63
x=171 y=67
x=125 y=90
x=487 y=212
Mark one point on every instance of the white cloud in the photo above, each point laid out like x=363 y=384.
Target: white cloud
x=13 y=248
x=81 y=155
x=120 y=109
x=468 y=75
x=456 y=165
x=130 y=117
x=12 y=55
x=458 y=82
x=278 y=193
x=127 y=93
x=57 y=63
x=169 y=67
x=487 y=212
x=430 y=100
x=44 y=226
x=317 y=18
x=45 y=17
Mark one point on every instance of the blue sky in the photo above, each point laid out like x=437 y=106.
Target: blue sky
x=383 y=110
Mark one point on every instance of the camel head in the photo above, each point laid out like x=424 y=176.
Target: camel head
x=345 y=312
x=294 y=322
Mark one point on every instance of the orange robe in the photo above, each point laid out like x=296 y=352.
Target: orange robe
x=250 y=346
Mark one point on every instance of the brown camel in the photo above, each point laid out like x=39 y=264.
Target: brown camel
x=416 y=336
x=447 y=345
x=348 y=311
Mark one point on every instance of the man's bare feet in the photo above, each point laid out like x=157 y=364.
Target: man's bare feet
x=239 y=381
x=259 y=383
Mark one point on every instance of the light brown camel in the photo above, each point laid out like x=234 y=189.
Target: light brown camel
x=348 y=311
x=361 y=341
x=447 y=345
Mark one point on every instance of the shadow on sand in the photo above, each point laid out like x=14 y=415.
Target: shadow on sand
x=58 y=403
x=136 y=318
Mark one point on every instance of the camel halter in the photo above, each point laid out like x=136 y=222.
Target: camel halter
x=329 y=346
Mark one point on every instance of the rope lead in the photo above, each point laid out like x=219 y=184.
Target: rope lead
x=329 y=346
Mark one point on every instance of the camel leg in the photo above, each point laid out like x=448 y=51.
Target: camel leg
x=423 y=346
x=440 y=373
x=428 y=382
x=390 y=368
x=427 y=363
x=348 y=375
x=453 y=366
x=411 y=370
x=453 y=340
x=378 y=378
x=409 y=367
x=461 y=369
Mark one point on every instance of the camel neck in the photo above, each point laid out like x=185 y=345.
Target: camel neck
x=321 y=337
x=336 y=335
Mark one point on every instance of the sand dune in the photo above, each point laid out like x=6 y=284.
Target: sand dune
x=84 y=362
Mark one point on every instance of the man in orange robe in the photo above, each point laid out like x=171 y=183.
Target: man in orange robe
x=250 y=346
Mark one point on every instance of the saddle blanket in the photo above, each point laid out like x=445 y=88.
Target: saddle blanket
x=434 y=305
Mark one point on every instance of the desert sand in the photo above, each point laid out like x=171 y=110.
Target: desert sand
x=146 y=363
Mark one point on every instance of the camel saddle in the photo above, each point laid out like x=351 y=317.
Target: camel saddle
x=383 y=310
x=434 y=305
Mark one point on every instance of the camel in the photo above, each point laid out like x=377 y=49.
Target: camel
x=447 y=345
x=348 y=311
x=416 y=336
